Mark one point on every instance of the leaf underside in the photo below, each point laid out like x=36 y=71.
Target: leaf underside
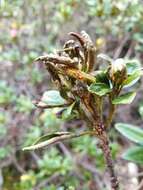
x=52 y=98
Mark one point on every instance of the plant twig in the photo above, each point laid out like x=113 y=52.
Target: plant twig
x=104 y=142
x=100 y=132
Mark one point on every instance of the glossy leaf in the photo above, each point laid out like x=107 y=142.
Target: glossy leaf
x=102 y=77
x=132 y=66
x=132 y=79
x=132 y=132
x=125 y=98
x=99 y=88
x=134 y=154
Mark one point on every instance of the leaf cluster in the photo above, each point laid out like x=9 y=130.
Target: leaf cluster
x=82 y=87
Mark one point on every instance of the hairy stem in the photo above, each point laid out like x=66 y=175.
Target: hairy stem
x=101 y=133
x=104 y=142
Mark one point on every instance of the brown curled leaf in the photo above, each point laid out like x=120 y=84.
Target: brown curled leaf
x=69 y=43
x=86 y=38
x=90 y=58
x=77 y=74
x=89 y=51
x=53 y=138
x=56 y=59
x=62 y=60
x=41 y=58
x=53 y=71
x=78 y=37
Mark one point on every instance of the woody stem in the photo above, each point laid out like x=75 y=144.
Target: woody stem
x=104 y=143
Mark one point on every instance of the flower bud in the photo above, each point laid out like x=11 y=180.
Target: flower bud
x=117 y=71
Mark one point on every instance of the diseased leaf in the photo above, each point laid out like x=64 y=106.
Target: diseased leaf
x=134 y=154
x=49 y=136
x=99 y=88
x=49 y=139
x=132 y=132
x=125 y=98
x=132 y=79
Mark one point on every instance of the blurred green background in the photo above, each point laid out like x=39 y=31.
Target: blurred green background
x=29 y=29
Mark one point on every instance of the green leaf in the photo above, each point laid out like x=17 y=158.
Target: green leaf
x=134 y=154
x=132 y=132
x=125 y=98
x=132 y=66
x=52 y=98
x=102 y=77
x=99 y=88
x=133 y=78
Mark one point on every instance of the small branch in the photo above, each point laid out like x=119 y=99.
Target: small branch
x=100 y=132
x=112 y=108
x=104 y=142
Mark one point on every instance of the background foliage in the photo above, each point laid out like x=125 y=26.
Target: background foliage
x=28 y=29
